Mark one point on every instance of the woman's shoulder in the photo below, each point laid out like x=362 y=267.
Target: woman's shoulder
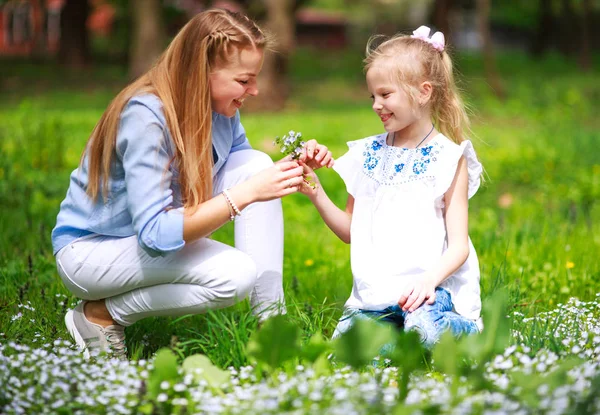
x=142 y=117
x=146 y=104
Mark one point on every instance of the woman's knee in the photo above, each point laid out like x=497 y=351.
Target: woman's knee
x=235 y=277
x=254 y=161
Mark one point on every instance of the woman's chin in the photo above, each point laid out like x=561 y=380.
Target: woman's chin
x=229 y=113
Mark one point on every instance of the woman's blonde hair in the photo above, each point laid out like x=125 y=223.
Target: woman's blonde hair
x=180 y=79
x=412 y=61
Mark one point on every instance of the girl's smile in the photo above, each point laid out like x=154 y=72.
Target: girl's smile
x=385 y=117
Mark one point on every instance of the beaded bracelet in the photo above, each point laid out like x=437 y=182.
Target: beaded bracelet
x=231 y=203
x=231 y=212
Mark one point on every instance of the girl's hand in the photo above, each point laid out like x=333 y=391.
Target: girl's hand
x=282 y=179
x=420 y=291
x=316 y=155
x=311 y=184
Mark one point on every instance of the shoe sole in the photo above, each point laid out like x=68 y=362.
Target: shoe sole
x=70 y=323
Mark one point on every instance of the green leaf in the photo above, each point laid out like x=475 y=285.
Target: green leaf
x=495 y=337
x=408 y=352
x=445 y=354
x=408 y=355
x=359 y=345
x=275 y=343
x=145 y=409
x=201 y=368
x=316 y=347
x=322 y=366
x=165 y=369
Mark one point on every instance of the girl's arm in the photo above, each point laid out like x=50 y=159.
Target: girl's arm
x=457 y=231
x=336 y=219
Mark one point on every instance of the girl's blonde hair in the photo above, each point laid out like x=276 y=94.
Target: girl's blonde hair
x=180 y=79
x=412 y=61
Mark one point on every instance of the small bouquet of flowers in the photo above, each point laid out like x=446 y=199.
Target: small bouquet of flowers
x=291 y=144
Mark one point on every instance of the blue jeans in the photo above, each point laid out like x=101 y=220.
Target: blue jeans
x=429 y=321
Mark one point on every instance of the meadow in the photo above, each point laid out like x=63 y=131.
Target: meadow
x=535 y=224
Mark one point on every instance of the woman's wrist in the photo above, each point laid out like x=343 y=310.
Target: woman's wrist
x=241 y=196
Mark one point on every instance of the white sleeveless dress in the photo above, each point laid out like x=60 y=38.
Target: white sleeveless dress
x=398 y=231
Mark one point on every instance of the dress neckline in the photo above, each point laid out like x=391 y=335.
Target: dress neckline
x=425 y=144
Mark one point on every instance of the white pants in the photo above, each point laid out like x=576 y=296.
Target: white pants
x=204 y=275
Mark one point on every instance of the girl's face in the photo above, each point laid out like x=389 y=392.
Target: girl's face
x=391 y=103
x=233 y=81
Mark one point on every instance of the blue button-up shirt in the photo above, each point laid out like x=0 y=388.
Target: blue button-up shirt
x=144 y=193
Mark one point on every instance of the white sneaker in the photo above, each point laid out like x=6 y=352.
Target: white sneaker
x=90 y=336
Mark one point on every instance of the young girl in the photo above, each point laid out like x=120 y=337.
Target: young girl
x=406 y=215
x=167 y=164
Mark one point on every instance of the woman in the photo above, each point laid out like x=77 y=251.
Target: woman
x=167 y=164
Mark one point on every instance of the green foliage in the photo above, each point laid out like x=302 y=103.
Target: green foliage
x=410 y=356
x=201 y=368
x=165 y=370
x=276 y=343
x=359 y=345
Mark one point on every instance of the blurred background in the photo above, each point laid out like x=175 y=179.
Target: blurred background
x=529 y=71
x=130 y=34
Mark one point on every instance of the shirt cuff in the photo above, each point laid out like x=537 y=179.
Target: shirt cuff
x=167 y=235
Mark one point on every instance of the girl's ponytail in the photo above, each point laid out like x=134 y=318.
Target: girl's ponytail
x=449 y=111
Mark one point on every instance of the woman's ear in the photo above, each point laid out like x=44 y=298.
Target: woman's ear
x=425 y=91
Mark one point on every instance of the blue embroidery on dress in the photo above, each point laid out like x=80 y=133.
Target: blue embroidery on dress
x=393 y=165
x=426 y=150
x=420 y=166
x=371 y=154
x=371 y=162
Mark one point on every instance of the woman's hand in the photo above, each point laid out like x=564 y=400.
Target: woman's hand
x=316 y=155
x=282 y=179
x=420 y=291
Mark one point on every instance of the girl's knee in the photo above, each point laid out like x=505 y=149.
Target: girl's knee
x=427 y=323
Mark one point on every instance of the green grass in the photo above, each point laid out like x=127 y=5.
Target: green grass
x=539 y=148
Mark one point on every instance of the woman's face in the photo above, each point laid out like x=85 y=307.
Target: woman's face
x=233 y=81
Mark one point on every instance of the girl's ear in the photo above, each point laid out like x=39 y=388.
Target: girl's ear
x=425 y=91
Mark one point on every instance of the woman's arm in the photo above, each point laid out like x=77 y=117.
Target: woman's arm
x=280 y=180
x=457 y=231
x=336 y=219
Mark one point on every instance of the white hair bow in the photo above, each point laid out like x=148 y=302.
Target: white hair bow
x=437 y=40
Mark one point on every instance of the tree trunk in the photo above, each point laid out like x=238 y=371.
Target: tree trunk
x=441 y=11
x=567 y=27
x=74 y=42
x=585 y=59
x=273 y=79
x=544 y=28
x=148 y=35
x=489 y=61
